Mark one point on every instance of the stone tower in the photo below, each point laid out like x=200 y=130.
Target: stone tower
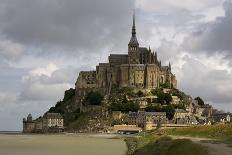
x=133 y=46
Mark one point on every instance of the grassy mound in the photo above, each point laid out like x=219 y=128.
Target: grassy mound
x=151 y=144
x=219 y=131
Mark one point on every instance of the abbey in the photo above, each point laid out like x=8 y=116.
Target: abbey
x=140 y=68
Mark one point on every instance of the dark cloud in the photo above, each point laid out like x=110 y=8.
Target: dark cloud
x=81 y=33
x=211 y=84
x=86 y=25
x=214 y=37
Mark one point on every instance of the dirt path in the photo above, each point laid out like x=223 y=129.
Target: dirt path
x=214 y=147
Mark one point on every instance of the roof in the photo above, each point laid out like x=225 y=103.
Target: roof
x=156 y=113
x=147 y=113
x=118 y=55
x=53 y=116
x=180 y=110
x=134 y=41
x=143 y=49
x=148 y=97
x=164 y=68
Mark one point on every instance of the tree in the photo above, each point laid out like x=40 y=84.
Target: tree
x=122 y=104
x=170 y=110
x=94 y=98
x=199 y=101
x=163 y=98
x=156 y=91
x=178 y=93
x=140 y=94
x=165 y=85
x=69 y=94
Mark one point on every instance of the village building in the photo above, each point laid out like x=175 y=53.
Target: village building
x=180 y=116
x=50 y=122
x=28 y=124
x=175 y=100
x=53 y=122
x=140 y=118
x=222 y=117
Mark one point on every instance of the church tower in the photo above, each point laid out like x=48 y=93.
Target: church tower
x=133 y=46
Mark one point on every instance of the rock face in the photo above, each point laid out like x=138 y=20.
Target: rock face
x=96 y=120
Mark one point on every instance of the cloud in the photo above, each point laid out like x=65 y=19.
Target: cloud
x=211 y=84
x=214 y=37
x=46 y=79
x=74 y=25
x=47 y=71
x=10 y=50
x=167 y=5
x=53 y=40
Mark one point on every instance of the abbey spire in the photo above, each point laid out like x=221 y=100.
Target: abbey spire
x=133 y=41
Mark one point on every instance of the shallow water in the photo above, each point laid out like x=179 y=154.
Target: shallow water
x=60 y=145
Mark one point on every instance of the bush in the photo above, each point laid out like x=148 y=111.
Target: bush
x=170 y=110
x=178 y=93
x=156 y=91
x=122 y=104
x=163 y=98
x=165 y=85
x=69 y=94
x=186 y=146
x=199 y=100
x=94 y=98
x=140 y=94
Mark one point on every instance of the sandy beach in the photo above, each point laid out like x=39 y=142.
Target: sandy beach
x=68 y=144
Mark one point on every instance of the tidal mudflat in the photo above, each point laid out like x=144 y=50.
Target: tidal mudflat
x=60 y=145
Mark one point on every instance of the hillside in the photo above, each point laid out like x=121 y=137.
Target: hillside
x=94 y=113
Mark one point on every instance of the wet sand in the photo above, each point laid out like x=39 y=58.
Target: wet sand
x=61 y=145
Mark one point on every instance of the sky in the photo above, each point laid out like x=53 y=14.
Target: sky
x=44 y=44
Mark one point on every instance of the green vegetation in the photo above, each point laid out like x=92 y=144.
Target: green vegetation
x=122 y=104
x=163 y=98
x=118 y=100
x=128 y=91
x=92 y=121
x=218 y=131
x=140 y=94
x=80 y=122
x=149 y=143
x=60 y=106
x=68 y=94
x=178 y=93
x=156 y=91
x=186 y=146
x=169 y=109
x=165 y=85
x=94 y=98
x=199 y=100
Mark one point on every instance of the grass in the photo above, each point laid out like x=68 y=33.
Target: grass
x=186 y=147
x=218 y=131
x=80 y=123
x=152 y=144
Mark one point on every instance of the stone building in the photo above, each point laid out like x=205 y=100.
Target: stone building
x=221 y=117
x=53 y=122
x=28 y=124
x=140 y=68
x=182 y=116
x=50 y=122
x=140 y=118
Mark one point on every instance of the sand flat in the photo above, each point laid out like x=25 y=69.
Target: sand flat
x=60 y=145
